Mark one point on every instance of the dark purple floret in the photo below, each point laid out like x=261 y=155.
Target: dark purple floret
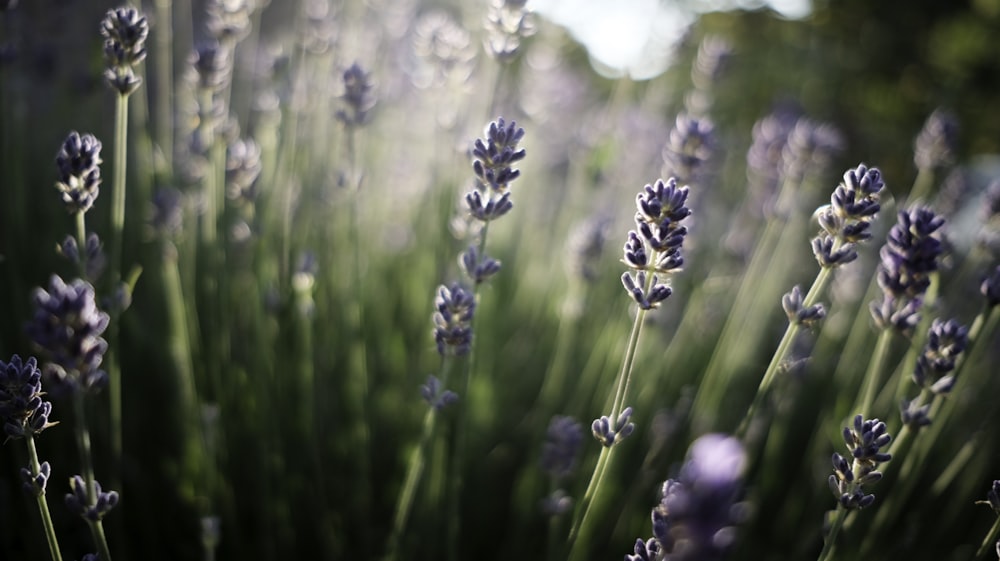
x=453 y=320
x=850 y=475
x=846 y=221
x=494 y=156
x=22 y=410
x=793 y=304
x=697 y=516
x=935 y=146
x=34 y=484
x=810 y=147
x=358 y=96
x=67 y=328
x=609 y=433
x=436 y=395
x=79 y=502
x=562 y=442
x=993 y=497
x=477 y=267
x=911 y=253
x=689 y=145
x=655 y=244
x=764 y=157
x=93 y=252
x=644 y=550
x=78 y=163
x=125 y=31
x=914 y=415
x=946 y=340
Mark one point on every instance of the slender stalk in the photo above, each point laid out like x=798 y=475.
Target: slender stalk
x=43 y=505
x=990 y=540
x=87 y=467
x=830 y=543
x=817 y=288
x=117 y=232
x=874 y=373
x=415 y=470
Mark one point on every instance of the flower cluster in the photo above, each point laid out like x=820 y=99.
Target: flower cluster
x=609 y=433
x=698 y=511
x=358 y=96
x=67 y=328
x=864 y=441
x=78 y=163
x=655 y=245
x=493 y=158
x=689 y=145
x=562 y=443
x=908 y=259
x=22 y=410
x=946 y=340
x=847 y=219
x=436 y=395
x=492 y=164
x=125 y=31
x=508 y=23
x=798 y=313
x=91 y=508
x=935 y=146
x=453 y=320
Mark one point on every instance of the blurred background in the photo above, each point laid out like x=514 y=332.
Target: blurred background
x=239 y=469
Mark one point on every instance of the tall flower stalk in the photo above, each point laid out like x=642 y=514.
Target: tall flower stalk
x=653 y=252
x=454 y=311
x=125 y=31
x=25 y=414
x=845 y=222
x=493 y=160
x=850 y=478
x=908 y=259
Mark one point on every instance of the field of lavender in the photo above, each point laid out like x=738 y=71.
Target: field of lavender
x=351 y=280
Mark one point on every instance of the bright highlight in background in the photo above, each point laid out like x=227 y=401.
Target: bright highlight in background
x=637 y=37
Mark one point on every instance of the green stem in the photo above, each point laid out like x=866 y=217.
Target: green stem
x=43 y=505
x=625 y=376
x=830 y=543
x=87 y=466
x=117 y=232
x=818 y=287
x=414 y=471
x=583 y=510
x=990 y=540
x=874 y=373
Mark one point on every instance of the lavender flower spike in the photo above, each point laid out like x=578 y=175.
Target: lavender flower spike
x=67 y=328
x=125 y=31
x=909 y=257
x=697 y=516
x=22 y=410
x=78 y=163
x=865 y=442
x=453 y=320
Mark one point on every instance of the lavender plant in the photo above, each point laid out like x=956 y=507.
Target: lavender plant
x=652 y=249
x=865 y=441
x=125 y=31
x=700 y=510
x=25 y=414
